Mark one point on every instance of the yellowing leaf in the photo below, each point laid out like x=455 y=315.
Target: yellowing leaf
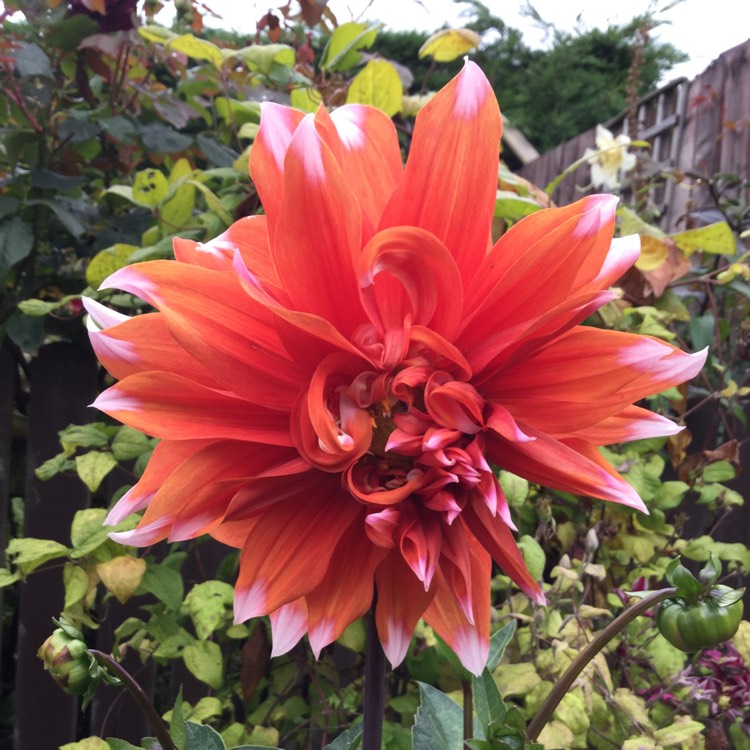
x=717 y=239
x=150 y=187
x=556 y=734
x=262 y=57
x=122 y=575
x=654 y=252
x=449 y=44
x=683 y=729
x=341 y=51
x=154 y=33
x=379 y=85
x=106 y=262
x=197 y=49
x=93 y=466
x=306 y=99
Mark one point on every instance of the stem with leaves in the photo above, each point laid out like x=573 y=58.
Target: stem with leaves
x=578 y=664
x=149 y=711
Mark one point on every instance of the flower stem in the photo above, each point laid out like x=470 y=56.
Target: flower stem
x=374 y=686
x=587 y=654
x=468 y=709
x=149 y=711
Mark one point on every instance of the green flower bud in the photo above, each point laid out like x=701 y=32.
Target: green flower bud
x=67 y=660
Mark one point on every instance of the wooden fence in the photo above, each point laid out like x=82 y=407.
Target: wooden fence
x=699 y=128
x=703 y=125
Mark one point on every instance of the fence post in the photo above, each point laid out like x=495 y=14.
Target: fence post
x=63 y=382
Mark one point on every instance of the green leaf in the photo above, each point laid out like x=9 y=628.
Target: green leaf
x=217 y=153
x=165 y=584
x=717 y=239
x=91 y=435
x=93 y=466
x=670 y=494
x=341 y=51
x=32 y=60
x=129 y=444
x=155 y=33
x=66 y=217
x=347 y=740
x=7 y=578
x=28 y=554
x=204 y=660
x=683 y=729
x=214 y=203
x=150 y=187
x=163 y=139
x=261 y=58
x=16 y=241
x=106 y=262
x=87 y=531
x=76 y=584
x=177 y=730
x=487 y=699
x=513 y=207
x=378 y=84
x=438 y=724
x=202 y=737
x=197 y=49
x=37 y=308
x=533 y=556
x=499 y=642
x=53 y=466
x=207 y=604
x=719 y=471
x=115 y=744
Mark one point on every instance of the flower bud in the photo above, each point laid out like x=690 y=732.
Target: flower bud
x=67 y=660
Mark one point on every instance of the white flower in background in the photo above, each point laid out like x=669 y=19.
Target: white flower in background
x=610 y=160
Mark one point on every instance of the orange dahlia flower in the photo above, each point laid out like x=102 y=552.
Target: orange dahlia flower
x=333 y=381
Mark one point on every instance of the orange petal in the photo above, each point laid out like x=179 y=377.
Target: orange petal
x=578 y=468
x=546 y=258
x=469 y=639
x=402 y=600
x=632 y=423
x=495 y=536
x=346 y=591
x=277 y=127
x=212 y=318
x=319 y=233
x=170 y=406
x=290 y=547
x=407 y=272
x=450 y=181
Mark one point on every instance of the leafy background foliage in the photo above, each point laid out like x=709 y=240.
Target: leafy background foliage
x=114 y=141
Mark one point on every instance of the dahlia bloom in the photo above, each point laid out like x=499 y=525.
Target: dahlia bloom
x=333 y=381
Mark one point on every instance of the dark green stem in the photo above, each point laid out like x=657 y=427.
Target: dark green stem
x=149 y=711
x=374 y=687
x=468 y=709
x=565 y=682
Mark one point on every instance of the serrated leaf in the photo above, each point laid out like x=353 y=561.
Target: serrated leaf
x=717 y=239
x=28 y=554
x=122 y=575
x=487 y=699
x=447 y=45
x=379 y=85
x=106 y=262
x=438 y=724
x=204 y=660
x=93 y=466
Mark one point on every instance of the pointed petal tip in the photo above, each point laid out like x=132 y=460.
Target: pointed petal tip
x=250 y=602
x=472 y=649
x=395 y=642
x=145 y=534
x=288 y=625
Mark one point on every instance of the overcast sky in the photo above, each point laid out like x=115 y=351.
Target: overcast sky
x=704 y=29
